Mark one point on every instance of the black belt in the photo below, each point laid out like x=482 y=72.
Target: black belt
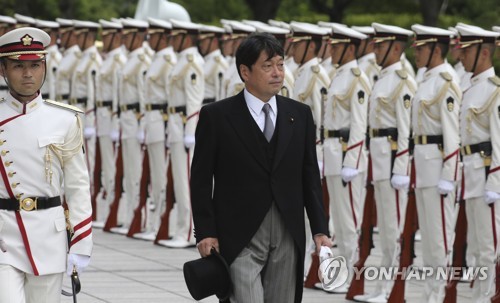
x=150 y=107
x=62 y=97
x=384 y=132
x=74 y=101
x=340 y=133
x=208 y=100
x=434 y=139
x=484 y=148
x=177 y=109
x=132 y=106
x=45 y=96
x=30 y=203
x=4 y=87
x=104 y=104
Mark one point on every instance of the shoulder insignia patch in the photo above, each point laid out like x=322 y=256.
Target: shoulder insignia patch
x=193 y=78
x=64 y=105
x=356 y=71
x=190 y=57
x=402 y=74
x=446 y=76
x=495 y=80
x=450 y=103
x=361 y=97
x=407 y=101
x=315 y=69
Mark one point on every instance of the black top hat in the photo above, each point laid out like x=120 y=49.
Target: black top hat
x=208 y=276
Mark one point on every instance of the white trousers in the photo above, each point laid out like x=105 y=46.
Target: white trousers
x=436 y=220
x=132 y=169
x=158 y=177
x=19 y=287
x=391 y=211
x=180 y=167
x=108 y=167
x=482 y=224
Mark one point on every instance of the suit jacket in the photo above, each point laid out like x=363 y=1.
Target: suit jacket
x=232 y=185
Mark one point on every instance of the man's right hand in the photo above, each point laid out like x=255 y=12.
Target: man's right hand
x=205 y=246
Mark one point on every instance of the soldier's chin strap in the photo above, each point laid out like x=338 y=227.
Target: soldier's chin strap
x=430 y=55
x=363 y=50
x=182 y=42
x=343 y=53
x=386 y=54
x=476 y=59
x=305 y=52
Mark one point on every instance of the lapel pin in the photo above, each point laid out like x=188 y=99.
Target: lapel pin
x=291 y=120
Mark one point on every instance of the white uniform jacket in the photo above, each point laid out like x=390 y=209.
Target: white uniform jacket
x=436 y=107
x=157 y=93
x=52 y=61
x=368 y=64
x=390 y=107
x=131 y=90
x=107 y=91
x=41 y=154
x=346 y=108
x=65 y=72
x=187 y=86
x=215 y=67
x=480 y=122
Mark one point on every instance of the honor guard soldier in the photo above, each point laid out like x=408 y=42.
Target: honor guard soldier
x=289 y=62
x=215 y=64
x=345 y=122
x=232 y=82
x=52 y=59
x=71 y=55
x=187 y=87
x=6 y=24
x=83 y=83
x=154 y=119
x=131 y=95
x=106 y=105
x=325 y=53
x=389 y=121
x=436 y=156
x=281 y=34
x=24 y=21
x=41 y=156
x=366 y=57
x=480 y=147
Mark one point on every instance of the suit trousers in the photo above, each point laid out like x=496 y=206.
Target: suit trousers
x=158 y=177
x=265 y=270
x=132 y=170
x=19 y=287
x=108 y=176
x=482 y=223
x=180 y=168
x=391 y=211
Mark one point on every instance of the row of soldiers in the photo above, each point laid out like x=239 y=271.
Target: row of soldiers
x=378 y=123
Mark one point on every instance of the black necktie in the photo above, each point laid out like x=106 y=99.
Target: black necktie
x=268 y=126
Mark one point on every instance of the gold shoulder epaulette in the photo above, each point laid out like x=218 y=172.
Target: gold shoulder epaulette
x=356 y=71
x=141 y=57
x=402 y=74
x=495 y=80
x=167 y=58
x=190 y=57
x=315 y=69
x=446 y=76
x=64 y=105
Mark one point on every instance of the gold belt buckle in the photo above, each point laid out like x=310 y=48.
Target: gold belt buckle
x=28 y=204
x=374 y=132
x=467 y=150
x=99 y=103
x=171 y=110
x=123 y=107
x=149 y=107
x=73 y=101
x=423 y=139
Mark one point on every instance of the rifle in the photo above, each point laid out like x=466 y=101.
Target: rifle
x=97 y=179
x=163 y=231
x=407 y=245
x=136 y=224
x=75 y=280
x=112 y=220
x=365 y=241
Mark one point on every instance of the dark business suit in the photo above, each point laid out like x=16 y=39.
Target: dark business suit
x=228 y=160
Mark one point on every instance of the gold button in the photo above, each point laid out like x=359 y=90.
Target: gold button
x=11 y=174
x=2 y=142
x=4 y=152
x=14 y=185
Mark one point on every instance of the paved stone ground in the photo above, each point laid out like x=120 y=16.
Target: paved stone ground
x=125 y=270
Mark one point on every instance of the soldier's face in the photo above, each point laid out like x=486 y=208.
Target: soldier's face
x=422 y=54
x=25 y=78
x=468 y=56
x=299 y=48
x=380 y=49
x=265 y=79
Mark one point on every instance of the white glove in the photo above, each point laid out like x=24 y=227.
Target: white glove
x=140 y=136
x=491 y=196
x=349 y=173
x=189 y=141
x=88 y=132
x=320 y=166
x=114 y=135
x=400 y=181
x=445 y=187
x=78 y=261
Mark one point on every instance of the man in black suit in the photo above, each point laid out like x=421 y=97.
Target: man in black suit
x=253 y=172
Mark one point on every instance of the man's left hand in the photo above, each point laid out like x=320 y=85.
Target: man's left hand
x=322 y=240
x=80 y=262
